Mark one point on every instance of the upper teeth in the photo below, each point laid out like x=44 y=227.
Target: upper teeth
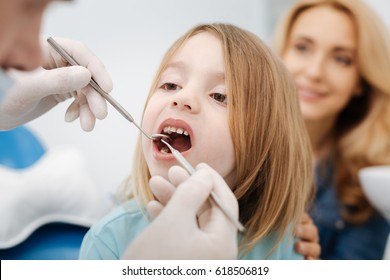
x=170 y=129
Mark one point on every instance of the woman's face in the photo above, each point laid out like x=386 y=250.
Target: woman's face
x=321 y=53
x=190 y=105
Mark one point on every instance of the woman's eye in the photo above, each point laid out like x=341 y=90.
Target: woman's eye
x=345 y=60
x=219 y=97
x=169 y=87
x=301 y=47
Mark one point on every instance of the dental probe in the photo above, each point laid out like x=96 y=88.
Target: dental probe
x=179 y=157
x=104 y=94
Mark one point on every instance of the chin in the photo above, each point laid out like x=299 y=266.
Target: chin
x=158 y=171
x=311 y=114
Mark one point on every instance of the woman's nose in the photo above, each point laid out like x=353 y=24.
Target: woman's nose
x=315 y=67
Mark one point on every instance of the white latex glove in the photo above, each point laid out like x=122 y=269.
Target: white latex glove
x=36 y=92
x=188 y=227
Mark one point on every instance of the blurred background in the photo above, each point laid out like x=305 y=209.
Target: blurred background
x=130 y=37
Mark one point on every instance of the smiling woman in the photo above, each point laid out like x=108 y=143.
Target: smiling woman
x=339 y=54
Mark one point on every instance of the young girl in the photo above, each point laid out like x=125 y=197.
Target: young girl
x=339 y=54
x=225 y=100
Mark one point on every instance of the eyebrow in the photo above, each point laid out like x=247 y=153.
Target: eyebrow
x=220 y=75
x=176 y=64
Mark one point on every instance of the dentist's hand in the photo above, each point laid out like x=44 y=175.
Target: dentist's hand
x=186 y=225
x=36 y=92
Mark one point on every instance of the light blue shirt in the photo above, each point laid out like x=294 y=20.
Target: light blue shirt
x=109 y=238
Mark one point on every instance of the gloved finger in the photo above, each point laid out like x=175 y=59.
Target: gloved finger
x=96 y=103
x=189 y=197
x=41 y=83
x=220 y=188
x=87 y=119
x=177 y=175
x=154 y=208
x=204 y=213
x=219 y=221
x=73 y=112
x=88 y=59
x=161 y=189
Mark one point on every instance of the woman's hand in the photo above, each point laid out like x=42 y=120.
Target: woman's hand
x=308 y=244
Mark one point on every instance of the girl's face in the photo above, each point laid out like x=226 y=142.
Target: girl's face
x=321 y=54
x=190 y=105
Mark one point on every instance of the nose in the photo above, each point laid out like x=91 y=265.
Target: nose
x=315 y=67
x=186 y=99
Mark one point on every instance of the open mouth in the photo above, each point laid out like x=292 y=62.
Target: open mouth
x=180 y=139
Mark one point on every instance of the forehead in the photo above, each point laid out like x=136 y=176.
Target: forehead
x=200 y=45
x=326 y=24
x=201 y=51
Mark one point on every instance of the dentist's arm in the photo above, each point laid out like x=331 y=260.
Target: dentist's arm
x=36 y=92
x=186 y=225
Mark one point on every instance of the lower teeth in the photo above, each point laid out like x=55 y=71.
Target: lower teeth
x=164 y=150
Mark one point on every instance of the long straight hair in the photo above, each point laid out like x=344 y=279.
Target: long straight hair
x=271 y=146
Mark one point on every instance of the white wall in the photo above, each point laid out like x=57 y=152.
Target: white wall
x=382 y=7
x=131 y=37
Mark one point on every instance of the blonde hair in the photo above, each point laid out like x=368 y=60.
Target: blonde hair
x=272 y=149
x=362 y=131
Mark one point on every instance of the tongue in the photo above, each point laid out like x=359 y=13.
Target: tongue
x=181 y=143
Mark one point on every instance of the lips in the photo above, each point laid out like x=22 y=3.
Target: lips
x=181 y=137
x=310 y=94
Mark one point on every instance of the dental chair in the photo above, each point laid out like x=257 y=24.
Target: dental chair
x=47 y=199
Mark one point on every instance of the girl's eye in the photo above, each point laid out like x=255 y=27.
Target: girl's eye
x=169 y=87
x=219 y=97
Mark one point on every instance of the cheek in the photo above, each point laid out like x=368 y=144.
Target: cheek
x=345 y=85
x=148 y=121
x=219 y=149
x=150 y=114
x=292 y=62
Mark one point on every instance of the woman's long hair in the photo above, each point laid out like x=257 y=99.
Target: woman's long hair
x=362 y=130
